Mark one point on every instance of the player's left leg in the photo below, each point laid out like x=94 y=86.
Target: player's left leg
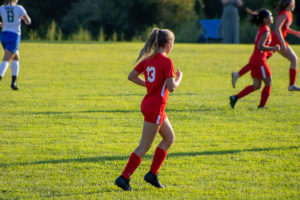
x=15 y=68
x=292 y=57
x=149 y=133
x=265 y=92
x=168 y=138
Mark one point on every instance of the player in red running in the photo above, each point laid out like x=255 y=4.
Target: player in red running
x=260 y=70
x=159 y=81
x=282 y=28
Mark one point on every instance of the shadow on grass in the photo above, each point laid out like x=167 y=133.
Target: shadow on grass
x=114 y=111
x=177 y=154
x=85 y=111
x=74 y=194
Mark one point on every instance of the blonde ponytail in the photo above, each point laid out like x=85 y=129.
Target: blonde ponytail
x=157 y=39
x=6 y=2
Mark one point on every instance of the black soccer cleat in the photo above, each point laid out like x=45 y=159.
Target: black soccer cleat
x=14 y=86
x=261 y=107
x=153 y=180
x=233 y=100
x=123 y=183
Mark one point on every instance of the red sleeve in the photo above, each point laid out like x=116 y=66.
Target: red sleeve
x=169 y=70
x=140 y=67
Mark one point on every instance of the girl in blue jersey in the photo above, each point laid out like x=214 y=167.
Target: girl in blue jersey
x=12 y=14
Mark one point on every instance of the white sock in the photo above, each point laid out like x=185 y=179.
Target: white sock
x=3 y=67
x=15 y=67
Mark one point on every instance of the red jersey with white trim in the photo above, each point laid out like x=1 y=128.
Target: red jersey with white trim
x=288 y=21
x=156 y=71
x=260 y=56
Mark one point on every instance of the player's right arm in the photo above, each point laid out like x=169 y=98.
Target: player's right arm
x=134 y=77
x=262 y=43
x=278 y=26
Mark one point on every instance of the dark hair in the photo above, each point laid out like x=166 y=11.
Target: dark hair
x=258 y=19
x=157 y=39
x=283 y=5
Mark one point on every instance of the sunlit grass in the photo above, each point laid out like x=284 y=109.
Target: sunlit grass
x=69 y=130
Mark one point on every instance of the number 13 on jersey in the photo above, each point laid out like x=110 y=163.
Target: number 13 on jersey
x=150 y=74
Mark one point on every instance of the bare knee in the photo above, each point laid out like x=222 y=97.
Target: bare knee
x=268 y=84
x=295 y=60
x=256 y=86
x=169 y=140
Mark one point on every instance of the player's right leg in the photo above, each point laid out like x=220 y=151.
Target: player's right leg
x=247 y=90
x=8 y=55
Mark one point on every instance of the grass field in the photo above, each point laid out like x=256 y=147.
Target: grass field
x=69 y=130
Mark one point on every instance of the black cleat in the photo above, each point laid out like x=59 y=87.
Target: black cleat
x=261 y=107
x=153 y=180
x=14 y=86
x=123 y=183
x=233 y=100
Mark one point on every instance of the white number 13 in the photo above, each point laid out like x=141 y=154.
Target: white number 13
x=151 y=74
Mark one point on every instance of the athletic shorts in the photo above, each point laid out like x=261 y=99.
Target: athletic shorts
x=10 y=41
x=154 y=117
x=260 y=71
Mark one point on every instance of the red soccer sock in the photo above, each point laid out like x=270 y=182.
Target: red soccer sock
x=158 y=159
x=265 y=95
x=244 y=70
x=133 y=163
x=293 y=74
x=245 y=91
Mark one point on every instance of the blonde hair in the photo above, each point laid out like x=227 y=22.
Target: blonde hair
x=6 y=2
x=157 y=39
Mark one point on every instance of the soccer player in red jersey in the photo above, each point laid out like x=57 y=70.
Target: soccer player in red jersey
x=159 y=81
x=260 y=70
x=282 y=28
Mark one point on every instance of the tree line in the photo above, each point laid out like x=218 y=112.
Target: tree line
x=128 y=20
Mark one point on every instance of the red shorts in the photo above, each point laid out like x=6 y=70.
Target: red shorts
x=260 y=71
x=154 y=117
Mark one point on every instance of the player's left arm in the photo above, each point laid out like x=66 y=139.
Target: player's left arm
x=293 y=32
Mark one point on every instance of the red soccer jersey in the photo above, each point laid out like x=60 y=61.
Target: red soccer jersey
x=260 y=56
x=156 y=71
x=286 y=24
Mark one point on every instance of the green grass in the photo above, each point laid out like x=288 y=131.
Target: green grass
x=69 y=130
